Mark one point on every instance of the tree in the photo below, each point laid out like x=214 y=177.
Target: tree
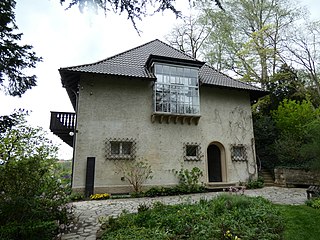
x=219 y=44
x=134 y=9
x=249 y=36
x=32 y=200
x=189 y=36
x=20 y=141
x=293 y=120
x=303 y=49
x=14 y=58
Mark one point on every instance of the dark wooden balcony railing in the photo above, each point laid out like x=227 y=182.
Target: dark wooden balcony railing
x=63 y=124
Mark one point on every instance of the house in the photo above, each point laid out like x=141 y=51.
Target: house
x=156 y=103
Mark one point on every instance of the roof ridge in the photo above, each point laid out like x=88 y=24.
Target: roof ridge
x=236 y=80
x=114 y=56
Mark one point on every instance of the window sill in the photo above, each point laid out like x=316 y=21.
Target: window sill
x=175 y=118
x=189 y=158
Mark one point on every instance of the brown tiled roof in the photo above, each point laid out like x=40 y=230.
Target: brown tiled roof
x=132 y=63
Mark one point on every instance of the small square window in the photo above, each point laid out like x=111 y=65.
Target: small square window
x=238 y=153
x=192 y=152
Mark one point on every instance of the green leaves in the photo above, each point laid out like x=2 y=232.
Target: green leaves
x=32 y=199
x=292 y=117
x=14 y=57
x=245 y=217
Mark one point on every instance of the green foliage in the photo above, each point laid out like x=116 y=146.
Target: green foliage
x=188 y=183
x=135 y=172
x=63 y=171
x=301 y=222
x=298 y=124
x=254 y=184
x=14 y=57
x=39 y=229
x=32 y=197
x=245 y=217
x=310 y=149
x=291 y=117
x=76 y=196
x=189 y=179
x=265 y=133
x=314 y=203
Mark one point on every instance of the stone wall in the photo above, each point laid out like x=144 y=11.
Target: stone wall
x=296 y=177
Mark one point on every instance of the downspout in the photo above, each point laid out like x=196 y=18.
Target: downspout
x=74 y=134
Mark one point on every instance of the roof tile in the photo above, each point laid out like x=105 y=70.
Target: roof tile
x=132 y=63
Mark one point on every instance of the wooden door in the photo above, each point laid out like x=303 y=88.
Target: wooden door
x=214 y=163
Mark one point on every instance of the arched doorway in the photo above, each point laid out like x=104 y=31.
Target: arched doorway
x=216 y=163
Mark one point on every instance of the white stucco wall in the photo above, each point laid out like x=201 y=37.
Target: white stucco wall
x=122 y=108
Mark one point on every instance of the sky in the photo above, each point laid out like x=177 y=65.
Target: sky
x=68 y=38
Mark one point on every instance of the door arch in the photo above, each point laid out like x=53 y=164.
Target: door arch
x=216 y=163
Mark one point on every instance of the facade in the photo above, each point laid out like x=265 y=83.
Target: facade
x=157 y=104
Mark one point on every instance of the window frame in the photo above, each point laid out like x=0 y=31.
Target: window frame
x=176 y=90
x=239 y=152
x=198 y=155
x=110 y=153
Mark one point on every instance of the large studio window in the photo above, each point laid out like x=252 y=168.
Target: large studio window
x=176 y=89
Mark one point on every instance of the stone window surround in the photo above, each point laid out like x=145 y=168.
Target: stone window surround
x=238 y=152
x=198 y=153
x=123 y=154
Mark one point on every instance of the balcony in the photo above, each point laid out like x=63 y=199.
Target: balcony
x=63 y=124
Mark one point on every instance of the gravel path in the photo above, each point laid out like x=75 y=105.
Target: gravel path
x=87 y=213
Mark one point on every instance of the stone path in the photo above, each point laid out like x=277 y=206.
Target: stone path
x=87 y=213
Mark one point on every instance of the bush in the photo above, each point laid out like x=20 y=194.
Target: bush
x=234 y=215
x=135 y=173
x=314 y=203
x=189 y=180
x=28 y=230
x=76 y=196
x=32 y=199
x=253 y=184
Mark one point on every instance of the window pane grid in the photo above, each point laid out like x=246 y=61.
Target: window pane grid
x=176 y=90
x=120 y=148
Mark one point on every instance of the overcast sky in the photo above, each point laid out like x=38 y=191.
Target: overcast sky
x=67 y=38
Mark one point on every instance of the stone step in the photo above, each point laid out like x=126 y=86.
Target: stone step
x=220 y=185
x=267 y=177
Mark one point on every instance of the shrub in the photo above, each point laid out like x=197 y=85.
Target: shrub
x=28 y=230
x=314 y=203
x=135 y=172
x=225 y=217
x=76 y=196
x=189 y=180
x=253 y=184
x=32 y=199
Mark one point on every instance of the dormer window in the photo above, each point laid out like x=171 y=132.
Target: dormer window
x=176 y=90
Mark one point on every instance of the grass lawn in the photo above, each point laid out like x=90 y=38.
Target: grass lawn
x=301 y=222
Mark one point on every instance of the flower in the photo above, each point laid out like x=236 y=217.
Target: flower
x=99 y=196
